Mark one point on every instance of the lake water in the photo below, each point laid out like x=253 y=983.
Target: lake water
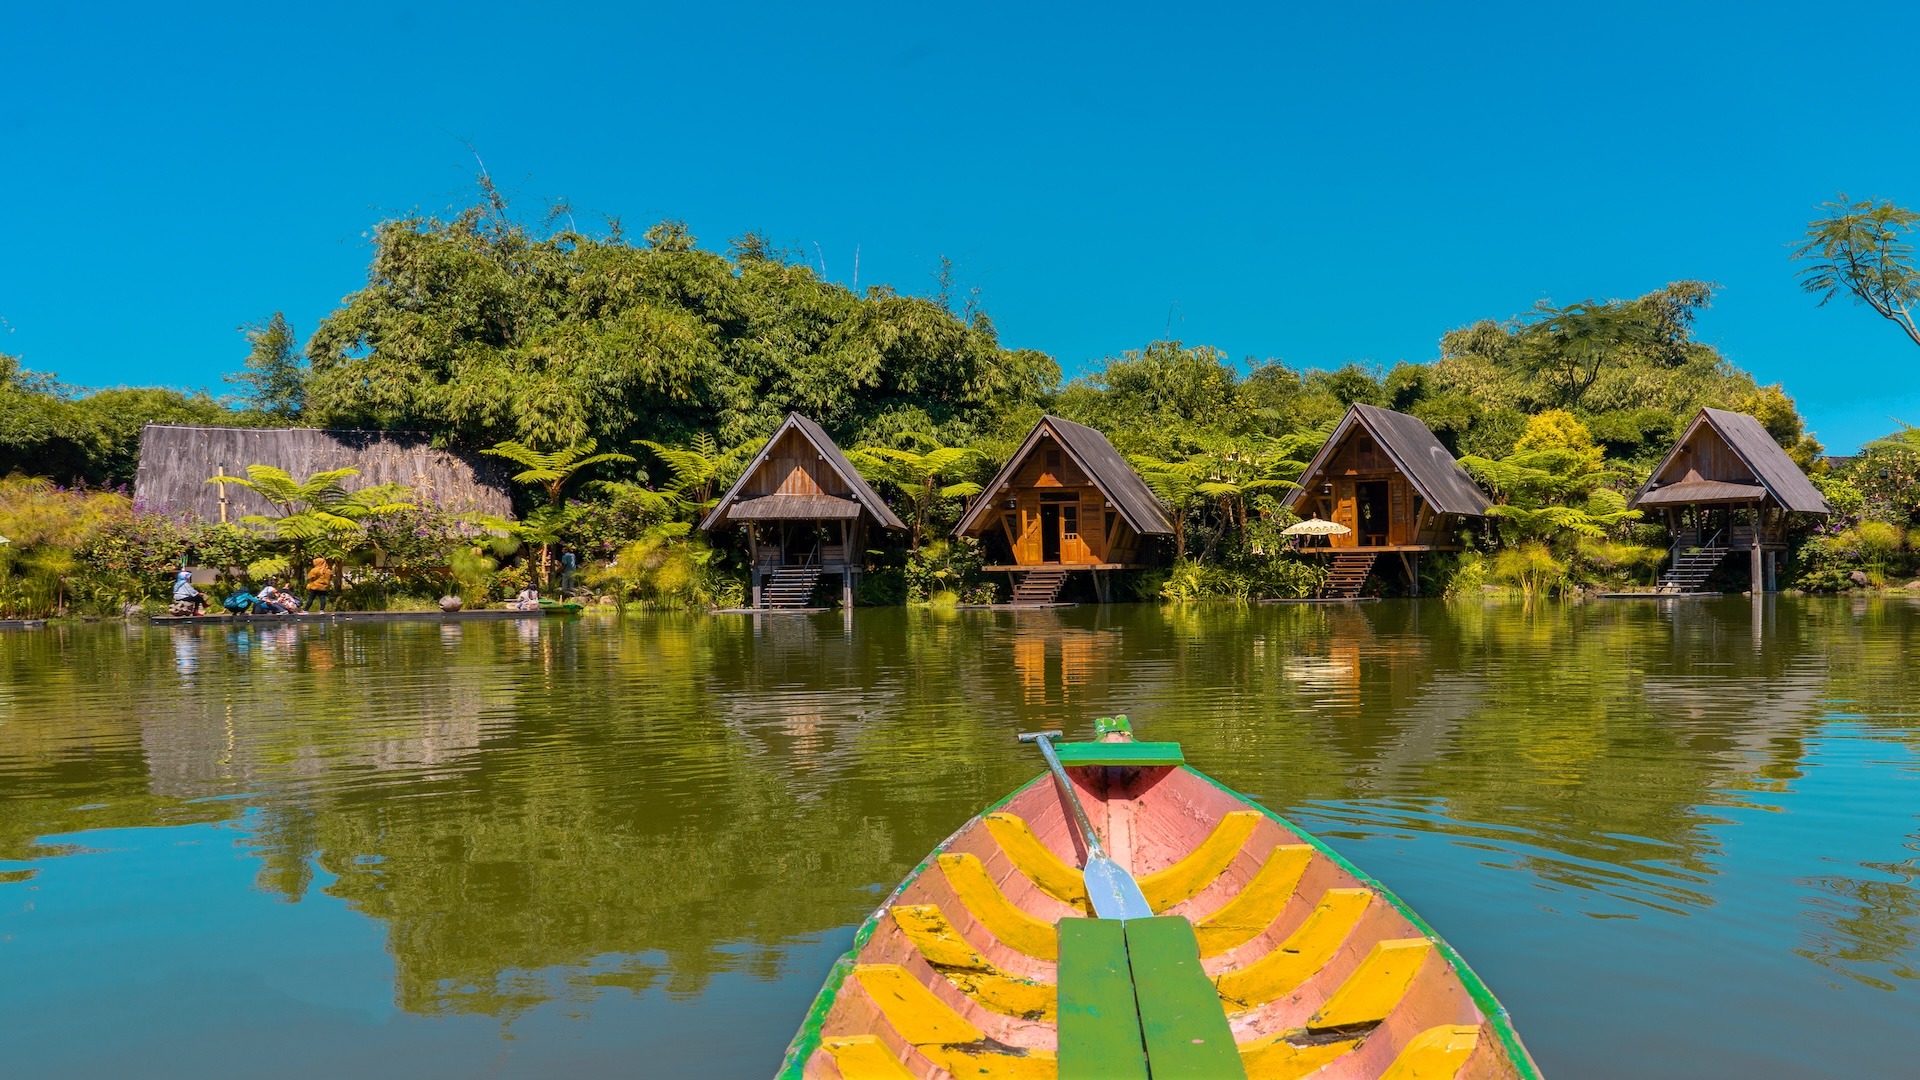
x=1677 y=840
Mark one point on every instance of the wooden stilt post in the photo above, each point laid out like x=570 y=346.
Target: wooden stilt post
x=1759 y=577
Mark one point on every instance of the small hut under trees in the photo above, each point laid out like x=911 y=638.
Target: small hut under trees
x=1385 y=476
x=1726 y=486
x=176 y=463
x=1066 y=501
x=807 y=512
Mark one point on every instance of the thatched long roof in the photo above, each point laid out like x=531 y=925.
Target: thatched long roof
x=176 y=462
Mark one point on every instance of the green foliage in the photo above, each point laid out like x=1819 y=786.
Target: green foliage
x=1188 y=581
x=667 y=568
x=317 y=510
x=57 y=432
x=1531 y=567
x=1549 y=490
x=701 y=467
x=44 y=527
x=1864 y=249
x=274 y=375
x=487 y=329
x=944 y=566
x=922 y=478
x=552 y=470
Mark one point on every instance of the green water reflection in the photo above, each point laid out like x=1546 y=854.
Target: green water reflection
x=1675 y=839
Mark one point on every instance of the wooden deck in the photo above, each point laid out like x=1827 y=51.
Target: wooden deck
x=1017 y=567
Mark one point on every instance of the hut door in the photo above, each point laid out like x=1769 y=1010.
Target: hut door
x=1050 y=532
x=1344 y=514
x=1400 y=513
x=1372 y=502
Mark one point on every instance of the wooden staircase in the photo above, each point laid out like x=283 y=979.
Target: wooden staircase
x=1347 y=574
x=1038 y=587
x=1691 y=569
x=789 y=587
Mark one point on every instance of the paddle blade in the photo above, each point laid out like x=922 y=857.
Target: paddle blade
x=1114 y=893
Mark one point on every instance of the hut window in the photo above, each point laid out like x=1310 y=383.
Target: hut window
x=1053 y=459
x=1365 y=446
x=1069 y=522
x=1109 y=523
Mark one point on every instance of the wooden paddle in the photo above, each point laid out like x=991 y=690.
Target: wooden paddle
x=1114 y=893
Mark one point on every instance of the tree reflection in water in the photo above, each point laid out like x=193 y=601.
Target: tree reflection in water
x=545 y=811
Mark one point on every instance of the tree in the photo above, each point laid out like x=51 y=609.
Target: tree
x=1862 y=248
x=700 y=467
x=1177 y=484
x=275 y=376
x=317 y=509
x=550 y=471
x=918 y=475
x=483 y=328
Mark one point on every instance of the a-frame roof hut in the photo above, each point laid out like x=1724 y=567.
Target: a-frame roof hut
x=806 y=509
x=1727 y=458
x=1385 y=476
x=1726 y=486
x=1066 y=498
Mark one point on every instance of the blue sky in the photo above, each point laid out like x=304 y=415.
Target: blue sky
x=1315 y=183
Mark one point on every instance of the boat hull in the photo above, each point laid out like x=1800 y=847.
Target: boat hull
x=1318 y=969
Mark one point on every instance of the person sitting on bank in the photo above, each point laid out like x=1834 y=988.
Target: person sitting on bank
x=527 y=599
x=277 y=601
x=319 y=585
x=187 y=600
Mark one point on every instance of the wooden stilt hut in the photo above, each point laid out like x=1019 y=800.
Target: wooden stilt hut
x=1726 y=486
x=807 y=512
x=1385 y=476
x=1065 y=502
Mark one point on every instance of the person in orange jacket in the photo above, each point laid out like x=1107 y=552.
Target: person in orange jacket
x=319 y=584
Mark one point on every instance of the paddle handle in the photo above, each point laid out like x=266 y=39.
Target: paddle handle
x=1045 y=740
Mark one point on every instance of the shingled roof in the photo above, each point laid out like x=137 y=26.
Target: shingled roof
x=1749 y=440
x=786 y=507
x=1415 y=451
x=1103 y=465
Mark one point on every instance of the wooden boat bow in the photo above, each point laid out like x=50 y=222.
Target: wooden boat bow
x=1267 y=955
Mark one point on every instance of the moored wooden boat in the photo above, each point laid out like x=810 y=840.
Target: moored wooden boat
x=1268 y=956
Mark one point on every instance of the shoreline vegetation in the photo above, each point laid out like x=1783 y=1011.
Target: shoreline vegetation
x=626 y=381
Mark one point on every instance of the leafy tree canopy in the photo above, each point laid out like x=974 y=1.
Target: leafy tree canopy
x=486 y=329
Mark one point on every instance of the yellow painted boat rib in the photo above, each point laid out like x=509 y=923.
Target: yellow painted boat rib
x=1275 y=1058
x=1437 y=1053
x=941 y=943
x=1185 y=879
x=935 y=1030
x=864 y=1057
x=1254 y=908
x=913 y=1010
x=1034 y=859
x=968 y=878
x=1306 y=951
x=1375 y=987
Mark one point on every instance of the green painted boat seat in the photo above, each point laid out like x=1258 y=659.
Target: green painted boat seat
x=1136 y=754
x=1099 y=1027
x=1181 y=1021
x=1134 y=1004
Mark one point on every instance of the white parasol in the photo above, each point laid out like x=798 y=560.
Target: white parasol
x=1315 y=527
